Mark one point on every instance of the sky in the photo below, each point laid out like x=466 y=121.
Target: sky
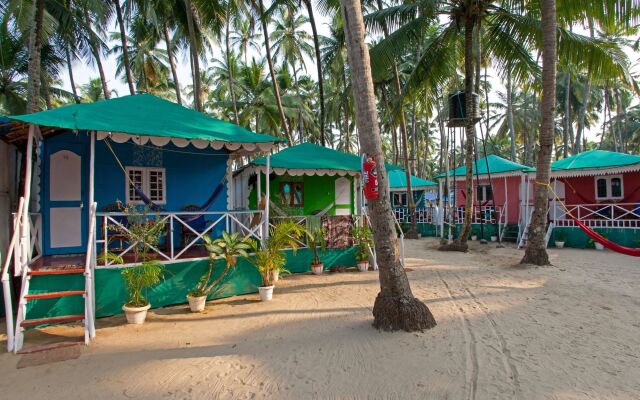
x=83 y=72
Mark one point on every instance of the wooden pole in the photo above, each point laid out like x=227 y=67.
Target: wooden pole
x=267 y=197
x=25 y=237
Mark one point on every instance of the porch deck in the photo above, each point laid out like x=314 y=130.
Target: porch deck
x=77 y=261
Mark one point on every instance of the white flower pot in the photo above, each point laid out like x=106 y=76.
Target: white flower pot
x=559 y=244
x=317 y=268
x=599 y=246
x=196 y=304
x=363 y=266
x=474 y=237
x=136 y=315
x=266 y=292
x=494 y=238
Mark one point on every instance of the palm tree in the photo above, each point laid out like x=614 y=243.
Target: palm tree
x=536 y=250
x=193 y=48
x=290 y=42
x=276 y=89
x=35 y=47
x=395 y=307
x=14 y=60
x=124 y=47
x=244 y=36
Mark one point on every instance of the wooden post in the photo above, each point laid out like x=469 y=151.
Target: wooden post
x=267 y=198
x=441 y=207
x=92 y=225
x=25 y=236
x=258 y=198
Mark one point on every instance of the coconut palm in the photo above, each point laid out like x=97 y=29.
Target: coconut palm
x=125 y=49
x=395 y=307
x=13 y=63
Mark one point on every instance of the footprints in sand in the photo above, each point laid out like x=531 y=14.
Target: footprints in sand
x=481 y=336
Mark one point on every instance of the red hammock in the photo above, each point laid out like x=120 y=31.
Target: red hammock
x=605 y=242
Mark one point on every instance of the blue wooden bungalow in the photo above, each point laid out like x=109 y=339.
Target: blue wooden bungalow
x=88 y=159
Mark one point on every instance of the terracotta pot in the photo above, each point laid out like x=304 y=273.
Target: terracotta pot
x=266 y=292
x=136 y=315
x=196 y=304
x=317 y=268
x=363 y=266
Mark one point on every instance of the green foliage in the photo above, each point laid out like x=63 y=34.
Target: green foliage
x=269 y=257
x=139 y=278
x=143 y=230
x=363 y=240
x=229 y=247
x=560 y=236
x=316 y=239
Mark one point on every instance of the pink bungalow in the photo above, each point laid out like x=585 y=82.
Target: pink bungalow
x=601 y=189
x=498 y=184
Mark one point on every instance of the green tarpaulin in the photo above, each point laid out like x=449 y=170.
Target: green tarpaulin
x=594 y=159
x=496 y=163
x=398 y=181
x=313 y=157
x=145 y=115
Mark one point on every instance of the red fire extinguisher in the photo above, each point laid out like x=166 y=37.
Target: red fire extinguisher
x=370 y=177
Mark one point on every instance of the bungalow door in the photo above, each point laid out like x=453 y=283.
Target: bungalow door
x=65 y=211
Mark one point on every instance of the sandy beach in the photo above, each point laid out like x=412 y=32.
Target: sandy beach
x=569 y=331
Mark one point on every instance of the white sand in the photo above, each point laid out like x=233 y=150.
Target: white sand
x=571 y=331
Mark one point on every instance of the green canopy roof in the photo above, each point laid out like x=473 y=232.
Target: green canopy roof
x=595 y=159
x=144 y=115
x=497 y=165
x=309 y=156
x=398 y=181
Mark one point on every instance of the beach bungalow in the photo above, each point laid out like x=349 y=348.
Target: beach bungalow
x=498 y=187
x=425 y=195
x=602 y=190
x=88 y=159
x=312 y=185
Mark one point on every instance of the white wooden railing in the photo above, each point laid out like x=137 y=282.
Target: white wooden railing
x=89 y=271
x=480 y=214
x=621 y=215
x=12 y=253
x=424 y=215
x=230 y=221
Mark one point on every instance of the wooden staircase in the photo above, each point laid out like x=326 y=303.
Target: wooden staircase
x=26 y=297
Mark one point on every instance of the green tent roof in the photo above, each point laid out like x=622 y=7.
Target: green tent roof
x=312 y=156
x=398 y=180
x=496 y=163
x=144 y=115
x=595 y=159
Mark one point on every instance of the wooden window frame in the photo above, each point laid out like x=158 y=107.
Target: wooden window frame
x=292 y=185
x=146 y=184
x=608 y=180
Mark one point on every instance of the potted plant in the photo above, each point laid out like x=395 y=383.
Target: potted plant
x=474 y=235
x=363 y=240
x=229 y=247
x=136 y=280
x=315 y=239
x=597 y=245
x=559 y=239
x=144 y=232
x=270 y=259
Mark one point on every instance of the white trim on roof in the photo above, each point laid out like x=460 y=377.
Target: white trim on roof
x=595 y=171
x=486 y=176
x=201 y=144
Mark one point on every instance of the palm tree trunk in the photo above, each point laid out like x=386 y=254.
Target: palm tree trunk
x=230 y=69
x=460 y=243
x=172 y=62
x=35 y=64
x=619 y=113
x=395 y=307
x=193 y=46
x=512 y=131
x=536 y=251
x=72 y=80
x=567 y=115
x=125 y=48
x=272 y=72
x=96 y=55
x=316 y=45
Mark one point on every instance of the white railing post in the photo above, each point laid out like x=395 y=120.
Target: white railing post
x=267 y=196
x=6 y=284
x=171 y=243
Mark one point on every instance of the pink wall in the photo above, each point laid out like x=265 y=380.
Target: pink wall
x=585 y=186
x=500 y=191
